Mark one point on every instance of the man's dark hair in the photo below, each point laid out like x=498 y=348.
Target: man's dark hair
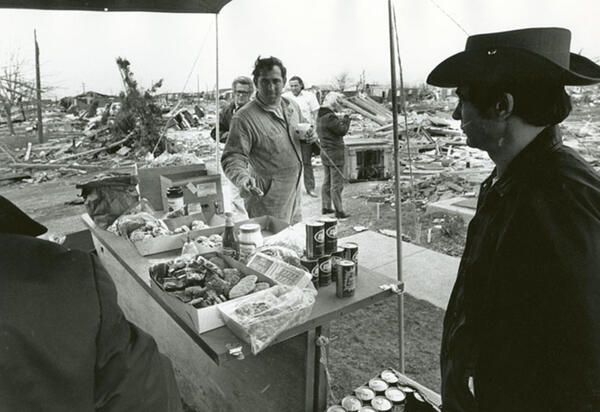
x=539 y=104
x=266 y=64
x=299 y=80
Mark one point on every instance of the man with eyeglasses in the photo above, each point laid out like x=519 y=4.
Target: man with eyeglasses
x=242 y=89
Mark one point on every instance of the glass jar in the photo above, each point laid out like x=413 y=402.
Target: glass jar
x=174 y=198
x=249 y=239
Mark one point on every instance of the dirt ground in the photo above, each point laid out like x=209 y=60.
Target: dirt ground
x=365 y=342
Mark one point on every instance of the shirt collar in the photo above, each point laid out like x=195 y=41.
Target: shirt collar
x=285 y=107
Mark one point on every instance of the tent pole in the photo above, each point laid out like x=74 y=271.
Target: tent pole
x=218 y=132
x=397 y=192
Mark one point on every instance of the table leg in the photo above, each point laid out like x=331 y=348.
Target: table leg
x=309 y=371
x=321 y=384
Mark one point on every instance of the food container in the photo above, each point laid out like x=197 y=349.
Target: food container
x=207 y=318
x=351 y=253
x=325 y=270
x=389 y=376
x=364 y=393
x=367 y=409
x=351 y=404
x=395 y=395
x=312 y=267
x=378 y=385
x=249 y=239
x=315 y=239
x=336 y=408
x=260 y=317
x=331 y=237
x=174 y=198
x=345 y=278
x=381 y=404
x=302 y=129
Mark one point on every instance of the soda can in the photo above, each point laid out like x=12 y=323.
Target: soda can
x=345 y=279
x=315 y=239
x=351 y=253
x=325 y=270
x=331 y=237
x=335 y=258
x=312 y=267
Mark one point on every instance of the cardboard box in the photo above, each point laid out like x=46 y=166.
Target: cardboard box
x=208 y=318
x=173 y=242
x=149 y=180
x=269 y=225
x=200 y=192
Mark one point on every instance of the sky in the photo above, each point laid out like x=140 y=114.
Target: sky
x=316 y=39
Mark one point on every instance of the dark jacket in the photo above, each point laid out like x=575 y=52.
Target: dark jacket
x=524 y=316
x=331 y=131
x=64 y=342
x=225 y=116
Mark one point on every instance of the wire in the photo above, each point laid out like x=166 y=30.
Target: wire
x=450 y=17
x=403 y=103
x=164 y=129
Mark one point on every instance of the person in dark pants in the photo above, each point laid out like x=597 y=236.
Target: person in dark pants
x=242 y=89
x=309 y=106
x=65 y=344
x=331 y=130
x=522 y=327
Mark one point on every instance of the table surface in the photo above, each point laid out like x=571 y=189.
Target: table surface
x=217 y=342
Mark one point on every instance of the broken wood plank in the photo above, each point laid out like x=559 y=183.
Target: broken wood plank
x=363 y=112
x=94 y=151
x=55 y=166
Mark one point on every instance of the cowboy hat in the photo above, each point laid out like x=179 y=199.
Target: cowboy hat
x=527 y=54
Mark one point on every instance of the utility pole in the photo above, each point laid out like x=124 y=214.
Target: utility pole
x=38 y=90
x=83 y=86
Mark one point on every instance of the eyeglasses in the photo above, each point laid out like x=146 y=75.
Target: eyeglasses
x=241 y=93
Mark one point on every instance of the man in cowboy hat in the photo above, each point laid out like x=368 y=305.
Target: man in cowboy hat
x=522 y=328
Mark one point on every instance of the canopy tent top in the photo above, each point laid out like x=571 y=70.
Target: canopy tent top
x=166 y=6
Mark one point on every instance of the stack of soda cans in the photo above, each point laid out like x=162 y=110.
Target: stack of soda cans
x=326 y=261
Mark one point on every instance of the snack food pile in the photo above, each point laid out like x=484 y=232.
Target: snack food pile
x=201 y=282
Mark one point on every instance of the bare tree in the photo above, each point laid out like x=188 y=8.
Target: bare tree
x=341 y=81
x=14 y=88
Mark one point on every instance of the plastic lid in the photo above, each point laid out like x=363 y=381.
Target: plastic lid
x=250 y=227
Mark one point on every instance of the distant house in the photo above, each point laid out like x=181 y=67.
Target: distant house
x=84 y=100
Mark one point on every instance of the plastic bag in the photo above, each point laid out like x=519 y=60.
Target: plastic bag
x=264 y=315
x=138 y=223
x=284 y=253
x=293 y=237
x=109 y=196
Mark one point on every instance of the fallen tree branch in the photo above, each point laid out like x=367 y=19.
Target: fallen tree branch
x=94 y=151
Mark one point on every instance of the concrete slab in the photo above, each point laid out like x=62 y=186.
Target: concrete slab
x=376 y=249
x=450 y=206
x=427 y=274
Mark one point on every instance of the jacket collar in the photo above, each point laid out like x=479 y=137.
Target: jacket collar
x=527 y=160
x=285 y=105
x=14 y=221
